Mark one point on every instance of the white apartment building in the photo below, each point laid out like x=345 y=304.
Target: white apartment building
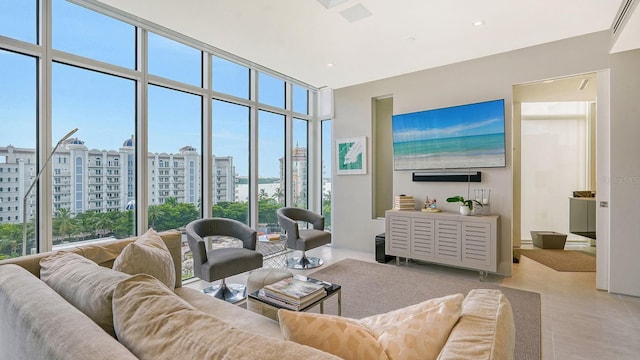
x=104 y=180
x=224 y=179
x=299 y=175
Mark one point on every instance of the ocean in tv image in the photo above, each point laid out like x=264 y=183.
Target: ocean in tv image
x=465 y=136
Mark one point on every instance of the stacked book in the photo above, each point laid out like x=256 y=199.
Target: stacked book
x=404 y=202
x=293 y=293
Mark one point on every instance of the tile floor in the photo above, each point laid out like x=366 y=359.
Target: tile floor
x=578 y=321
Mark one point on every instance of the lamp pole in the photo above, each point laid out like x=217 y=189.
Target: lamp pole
x=26 y=195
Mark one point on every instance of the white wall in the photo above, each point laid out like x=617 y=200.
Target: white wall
x=624 y=180
x=485 y=79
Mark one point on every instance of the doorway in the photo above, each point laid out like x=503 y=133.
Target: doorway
x=554 y=125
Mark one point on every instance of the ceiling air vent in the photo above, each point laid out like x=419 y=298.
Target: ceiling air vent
x=620 y=19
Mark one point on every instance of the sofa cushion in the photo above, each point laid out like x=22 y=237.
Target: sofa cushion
x=154 y=323
x=86 y=285
x=37 y=323
x=232 y=314
x=148 y=255
x=414 y=332
x=486 y=329
x=343 y=337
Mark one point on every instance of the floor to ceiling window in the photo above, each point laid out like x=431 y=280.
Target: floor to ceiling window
x=326 y=172
x=300 y=149
x=17 y=151
x=299 y=164
x=271 y=171
x=174 y=154
x=127 y=85
x=91 y=204
x=230 y=190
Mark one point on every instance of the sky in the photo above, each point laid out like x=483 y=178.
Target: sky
x=103 y=107
x=457 y=121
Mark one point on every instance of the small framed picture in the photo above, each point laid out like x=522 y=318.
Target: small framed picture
x=351 y=156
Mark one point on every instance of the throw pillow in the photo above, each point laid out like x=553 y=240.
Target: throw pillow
x=337 y=335
x=83 y=283
x=414 y=332
x=154 y=323
x=148 y=255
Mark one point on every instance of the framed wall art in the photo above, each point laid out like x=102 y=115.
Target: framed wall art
x=351 y=156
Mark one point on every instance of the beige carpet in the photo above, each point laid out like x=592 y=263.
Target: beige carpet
x=372 y=288
x=562 y=260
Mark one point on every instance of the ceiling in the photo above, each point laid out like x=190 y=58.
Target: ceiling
x=300 y=38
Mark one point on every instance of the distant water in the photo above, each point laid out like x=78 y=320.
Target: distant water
x=472 y=146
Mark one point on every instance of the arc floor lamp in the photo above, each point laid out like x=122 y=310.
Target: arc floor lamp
x=33 y=183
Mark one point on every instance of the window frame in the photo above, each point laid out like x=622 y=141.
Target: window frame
x=45 y=56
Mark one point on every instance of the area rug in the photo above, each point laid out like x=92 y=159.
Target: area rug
x=371 y=288
x=562 y=260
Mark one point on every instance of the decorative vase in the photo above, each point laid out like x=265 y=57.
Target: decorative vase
x=464 y=210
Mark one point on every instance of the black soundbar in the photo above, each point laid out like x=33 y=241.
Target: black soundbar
x=448 y=177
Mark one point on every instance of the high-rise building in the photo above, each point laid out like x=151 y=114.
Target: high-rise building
x=16 y=173
x=298 y=177
x=104 y=180
x=224 y=179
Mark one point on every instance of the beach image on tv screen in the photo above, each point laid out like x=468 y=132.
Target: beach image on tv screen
x=459 y=137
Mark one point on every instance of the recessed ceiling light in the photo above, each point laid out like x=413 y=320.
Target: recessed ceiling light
x=331 y=64
x=478 y=23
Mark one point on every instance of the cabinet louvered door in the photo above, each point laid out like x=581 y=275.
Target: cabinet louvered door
x=476 y=245
x=447 y=240
x=399 y=236
x=471 y=242
x=423 y=238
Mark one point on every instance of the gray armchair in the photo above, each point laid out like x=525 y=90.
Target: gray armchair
x=303 y=239
x=218 y=264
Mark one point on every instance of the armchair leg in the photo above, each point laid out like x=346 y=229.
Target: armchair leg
x=304 y=262
x=231 y=293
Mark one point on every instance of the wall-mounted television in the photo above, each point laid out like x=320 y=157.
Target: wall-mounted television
x=457 y=137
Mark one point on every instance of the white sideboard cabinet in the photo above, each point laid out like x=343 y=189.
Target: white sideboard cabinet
x=446 y=238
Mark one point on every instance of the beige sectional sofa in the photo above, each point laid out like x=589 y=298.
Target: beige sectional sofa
x=153 y=320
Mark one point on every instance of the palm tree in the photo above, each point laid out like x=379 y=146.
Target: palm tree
x=262 y=195
x=155 y=213
x=171 y=201
x=104 y=224
x=278 y=196
x=63 y=222
x=85 y=223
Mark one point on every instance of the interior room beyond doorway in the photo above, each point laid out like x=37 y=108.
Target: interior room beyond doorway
x=557 y=122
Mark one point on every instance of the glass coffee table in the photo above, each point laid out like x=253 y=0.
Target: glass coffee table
x=330 y=288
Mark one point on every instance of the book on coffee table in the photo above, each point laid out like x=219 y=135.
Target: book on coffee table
x=294 y=290
x=287 y=304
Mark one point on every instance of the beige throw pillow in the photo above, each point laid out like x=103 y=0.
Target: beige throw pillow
x=414 y=332
x=148 y=255
x=340 y=336
x=83 y=283
x=154 y=323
